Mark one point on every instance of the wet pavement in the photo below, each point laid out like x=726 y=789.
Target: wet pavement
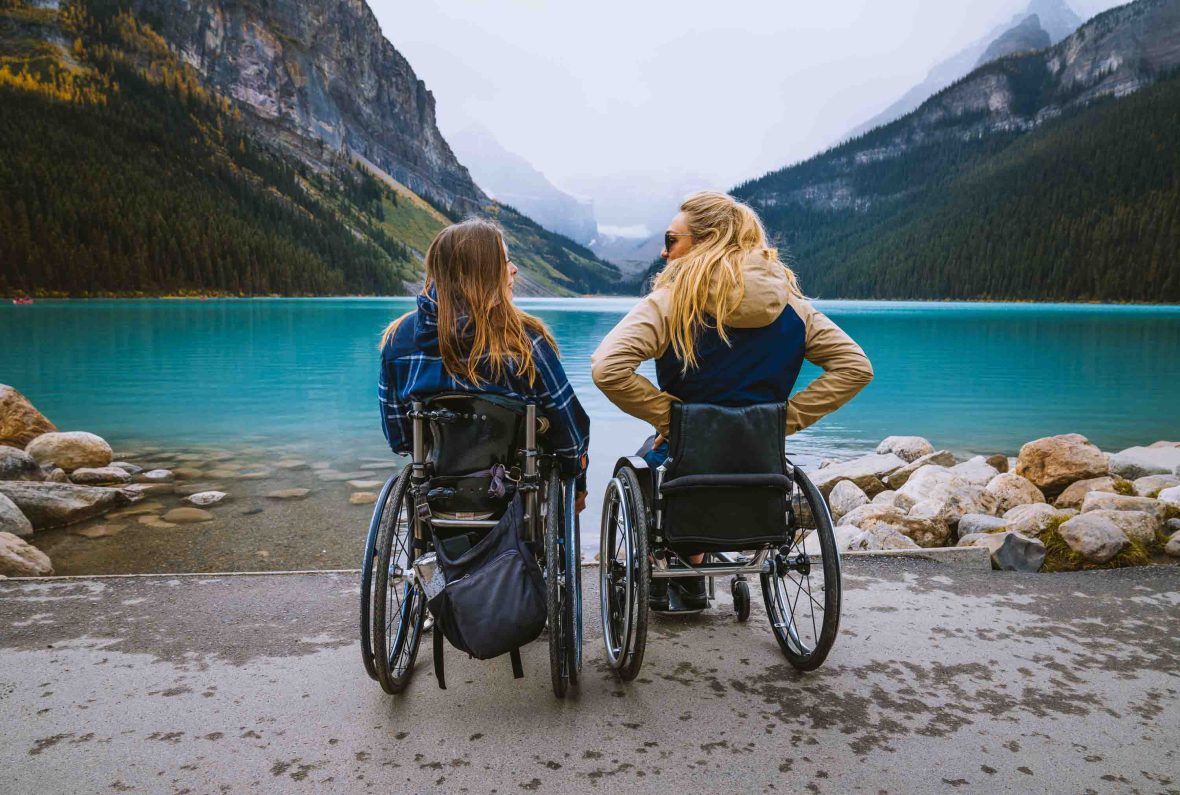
x=943 y=679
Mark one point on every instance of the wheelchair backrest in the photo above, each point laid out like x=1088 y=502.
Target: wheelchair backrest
x=725 y=486
x=470 y=433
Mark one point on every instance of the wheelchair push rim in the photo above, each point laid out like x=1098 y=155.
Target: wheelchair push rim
x=399 y=604
x=367 y=565
x=624 y=575
x=561 y=588
x=802 y=587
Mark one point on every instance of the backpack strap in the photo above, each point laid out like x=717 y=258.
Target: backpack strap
x=438 y=656
x=517 y=668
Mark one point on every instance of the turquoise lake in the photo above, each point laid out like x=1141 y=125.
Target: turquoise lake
x=970 y=377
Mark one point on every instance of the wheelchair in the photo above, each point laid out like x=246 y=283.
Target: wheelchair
x=458 y=441
x=727 y=490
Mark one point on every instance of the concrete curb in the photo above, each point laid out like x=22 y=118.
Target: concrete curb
x=963 y=557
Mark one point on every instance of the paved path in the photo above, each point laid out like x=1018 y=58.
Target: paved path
x=942 y=680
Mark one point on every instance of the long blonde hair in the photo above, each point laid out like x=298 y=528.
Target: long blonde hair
x=467 y=266
x=707 y=282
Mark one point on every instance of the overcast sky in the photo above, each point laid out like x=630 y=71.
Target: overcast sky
x=726 y=89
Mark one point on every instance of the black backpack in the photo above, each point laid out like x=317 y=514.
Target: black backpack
x=493 y=601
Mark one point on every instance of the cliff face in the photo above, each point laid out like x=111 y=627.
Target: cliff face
x=319 y=70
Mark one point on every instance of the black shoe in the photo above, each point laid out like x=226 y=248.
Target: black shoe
x=657 y=594
x=692 y=593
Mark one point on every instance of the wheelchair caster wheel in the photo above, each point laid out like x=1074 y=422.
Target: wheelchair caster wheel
x=741 y=598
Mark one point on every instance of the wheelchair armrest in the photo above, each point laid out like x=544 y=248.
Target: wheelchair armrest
x=747 y=481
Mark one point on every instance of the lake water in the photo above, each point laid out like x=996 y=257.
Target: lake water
x=302 y=373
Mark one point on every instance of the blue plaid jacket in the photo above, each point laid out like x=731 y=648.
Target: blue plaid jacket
x=412 y=369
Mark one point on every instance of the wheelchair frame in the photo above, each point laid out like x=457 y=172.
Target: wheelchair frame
x=633 y=515
x=398 y=537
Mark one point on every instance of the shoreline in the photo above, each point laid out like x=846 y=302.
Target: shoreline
x=216 y=296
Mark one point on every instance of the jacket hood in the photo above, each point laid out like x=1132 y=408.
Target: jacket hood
x=767 y=292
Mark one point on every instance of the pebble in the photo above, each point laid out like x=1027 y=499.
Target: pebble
x=362 y=498
x=155 y=521
x=187 y=515
x=291 y=463
x=366 y=484
x=188 y=473
x=289 y=494
x=203 y=498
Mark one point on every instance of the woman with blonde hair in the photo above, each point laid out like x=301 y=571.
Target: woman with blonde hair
x=726 y=324
x=467 y=336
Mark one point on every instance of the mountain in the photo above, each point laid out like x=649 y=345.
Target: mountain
x=1024 y=36
x=514 y=181
x=249 y=111
x=1047 y=175
x=1054 y=17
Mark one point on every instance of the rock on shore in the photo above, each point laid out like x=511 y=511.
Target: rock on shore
x=1096 y=519
x=58 y=504
x=71 y=450
x=20 y=423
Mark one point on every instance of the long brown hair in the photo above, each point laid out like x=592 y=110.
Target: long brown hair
x=467 y=265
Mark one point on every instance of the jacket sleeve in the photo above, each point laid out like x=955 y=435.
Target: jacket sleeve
x=846 y=369
x=641 y=335
x=571 y=425
x=395 y=420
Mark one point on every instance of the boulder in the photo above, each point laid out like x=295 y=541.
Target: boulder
x=844 y=497
x=1152 y=485
x=880 y=538
x=18 y=558
x=884 y=497
x=99 y=476
x=205 y=498
x=907 y=448
x=844 y=534
x=20 y=422
x=1076 y=492
x=1009 y=551
x=362 y=498
x=999 y=462
x=1053 y=462
x=1011 y=490
x=59 y=504
x=16 y=464
x=975 y=470
x=941 y=518
x=1170 y=496
x=1032 y=520
x=130 y=469
x=12 y=520
x=1172 y=526
x=942 y=458
x=1173 y=546
x=1100 y=500
x=57 y=475
x=922 y=531
x=933 y=482
x=866 y=472
x=1136 y=525
x=1095 y=538
x=187 y=516
x=976 y=523
x=1135 y=462
x=154 y=476
x=70 y=450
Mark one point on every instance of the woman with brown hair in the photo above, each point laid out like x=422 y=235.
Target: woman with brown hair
x=467 y=336
x=726 y=324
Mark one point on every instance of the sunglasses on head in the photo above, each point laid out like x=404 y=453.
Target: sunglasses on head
x=670 y=239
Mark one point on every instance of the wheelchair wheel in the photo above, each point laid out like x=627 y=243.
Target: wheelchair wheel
x=740 y=589
x=624 y=574
x=558 y=582
x=367 y=566
x=802 y=590
x=399 y=604
x=573 y=563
